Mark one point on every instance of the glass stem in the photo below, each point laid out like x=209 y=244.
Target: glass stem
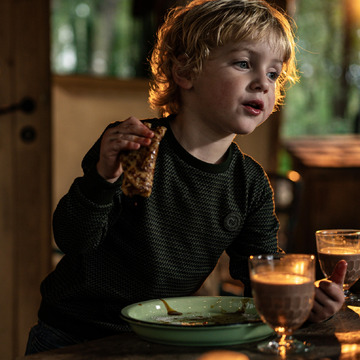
x=347 y=293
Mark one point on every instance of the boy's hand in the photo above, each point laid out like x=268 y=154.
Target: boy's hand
x=128 y=135
x=329 y=295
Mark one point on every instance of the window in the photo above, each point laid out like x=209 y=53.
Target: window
x=102 y=37
x=327 y=99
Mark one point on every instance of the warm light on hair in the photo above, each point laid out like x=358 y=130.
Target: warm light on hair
x=354 y=9
x=190 y=33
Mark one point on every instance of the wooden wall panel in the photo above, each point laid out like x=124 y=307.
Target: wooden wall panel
x=6 y=190
x=25 y=182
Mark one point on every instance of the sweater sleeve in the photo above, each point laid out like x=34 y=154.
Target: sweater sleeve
x=81 y=218
x=259 y=234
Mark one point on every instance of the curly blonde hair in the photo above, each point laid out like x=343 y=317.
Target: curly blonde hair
x=190 y=32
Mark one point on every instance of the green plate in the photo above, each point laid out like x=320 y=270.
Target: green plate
x=197 y=320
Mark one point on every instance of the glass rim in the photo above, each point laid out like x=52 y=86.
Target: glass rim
x=281 y=255
x=333 y=232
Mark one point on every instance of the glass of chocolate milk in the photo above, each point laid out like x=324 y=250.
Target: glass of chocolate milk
x=340 y=244
x=283 y=290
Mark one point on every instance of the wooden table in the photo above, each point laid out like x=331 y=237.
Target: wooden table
x=330 y=186
x=337 y=338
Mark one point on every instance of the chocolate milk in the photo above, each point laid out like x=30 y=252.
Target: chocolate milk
x=283 y=300
x=328 y=258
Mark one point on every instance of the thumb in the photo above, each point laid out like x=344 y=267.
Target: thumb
x=338 y=274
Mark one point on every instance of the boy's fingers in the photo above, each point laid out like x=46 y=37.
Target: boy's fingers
x=134 y=125
x=338 y=275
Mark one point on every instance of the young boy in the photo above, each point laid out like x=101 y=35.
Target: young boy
x=219 y=68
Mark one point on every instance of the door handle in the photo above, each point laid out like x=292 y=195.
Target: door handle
x=27 y=105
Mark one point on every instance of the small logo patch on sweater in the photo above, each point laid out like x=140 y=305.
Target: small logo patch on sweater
x=232 y=221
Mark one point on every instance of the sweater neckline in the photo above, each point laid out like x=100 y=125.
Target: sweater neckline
x=195 y=162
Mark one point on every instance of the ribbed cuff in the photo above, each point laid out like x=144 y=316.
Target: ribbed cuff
x=97 y=189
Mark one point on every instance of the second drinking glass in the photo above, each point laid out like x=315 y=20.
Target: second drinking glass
x=340 y=244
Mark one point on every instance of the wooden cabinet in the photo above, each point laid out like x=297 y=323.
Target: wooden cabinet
x=330 y=192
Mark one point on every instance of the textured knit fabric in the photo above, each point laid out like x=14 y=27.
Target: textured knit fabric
x=120 y=250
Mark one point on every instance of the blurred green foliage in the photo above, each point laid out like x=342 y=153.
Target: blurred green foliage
x=101 y=37
x=327 y=99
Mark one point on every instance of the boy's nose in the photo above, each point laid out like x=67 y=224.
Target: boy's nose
x=260 y=83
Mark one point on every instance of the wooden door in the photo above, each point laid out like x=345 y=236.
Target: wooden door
x=25 y=155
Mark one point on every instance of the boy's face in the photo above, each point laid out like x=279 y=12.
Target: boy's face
x=235 y=92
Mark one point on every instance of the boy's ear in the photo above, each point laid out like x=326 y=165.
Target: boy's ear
x=181 y=77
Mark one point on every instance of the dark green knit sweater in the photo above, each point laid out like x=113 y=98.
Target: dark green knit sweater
x=121 y=250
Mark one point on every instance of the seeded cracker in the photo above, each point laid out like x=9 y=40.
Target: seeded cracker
x=139 y=165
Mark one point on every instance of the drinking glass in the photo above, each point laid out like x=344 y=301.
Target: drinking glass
x=340 y=244
x=283 y=290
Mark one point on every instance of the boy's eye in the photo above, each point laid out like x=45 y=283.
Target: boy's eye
x=273 y=75
x=242 y=64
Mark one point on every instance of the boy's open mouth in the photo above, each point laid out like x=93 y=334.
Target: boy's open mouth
x=256 y=104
